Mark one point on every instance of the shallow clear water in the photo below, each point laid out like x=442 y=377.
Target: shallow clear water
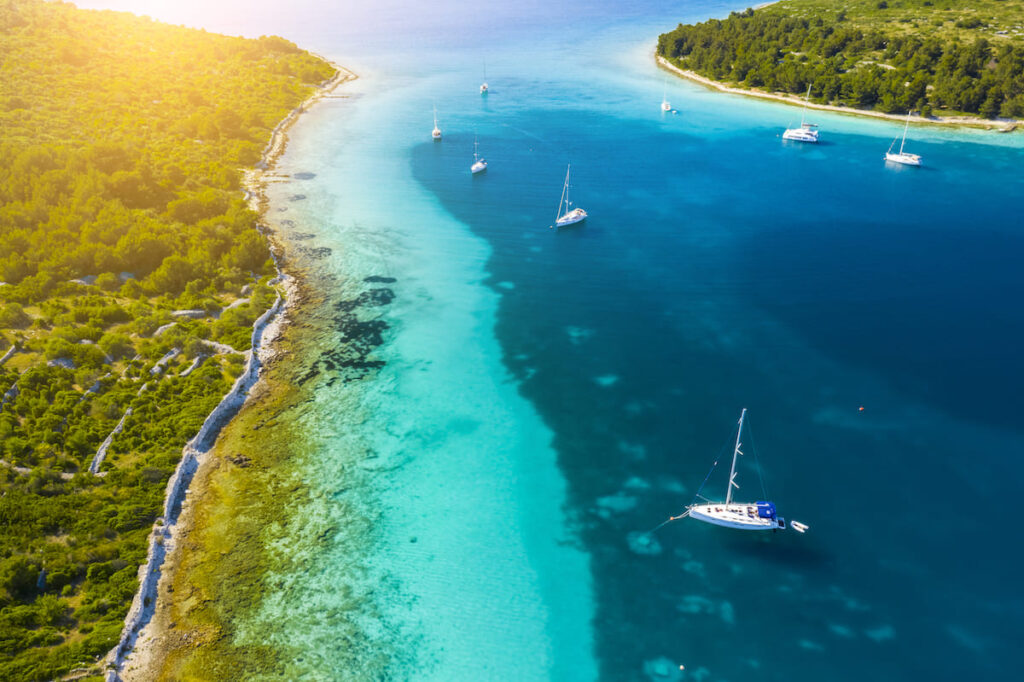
x=548 y=396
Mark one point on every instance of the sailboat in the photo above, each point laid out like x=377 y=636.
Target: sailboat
x=483 y=86
x=807 y=132
x=906 y=158
x=731 y=514
x=479 y=164
x=436 y=133
x=571 y=215
x=665 y=106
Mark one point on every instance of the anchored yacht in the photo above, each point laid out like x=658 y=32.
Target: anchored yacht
x=905 y=158
x=571 y=216
x=807 y=132
x=479 y=164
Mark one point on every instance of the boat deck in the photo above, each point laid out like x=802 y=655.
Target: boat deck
x=743 y=516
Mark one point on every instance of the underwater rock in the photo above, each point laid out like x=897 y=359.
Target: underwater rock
x=316 y=253
x=663 y=669
x=643 y=543
x=350 y=361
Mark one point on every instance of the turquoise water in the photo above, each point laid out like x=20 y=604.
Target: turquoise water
x=549 y=396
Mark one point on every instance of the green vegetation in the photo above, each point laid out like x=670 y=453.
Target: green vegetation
x=892 y=56
x=120 y=203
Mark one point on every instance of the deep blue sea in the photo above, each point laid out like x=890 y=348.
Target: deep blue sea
x=550 y=396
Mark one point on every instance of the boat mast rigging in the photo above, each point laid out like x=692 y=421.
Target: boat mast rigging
x=736 y=451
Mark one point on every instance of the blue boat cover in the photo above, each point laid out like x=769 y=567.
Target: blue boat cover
x=766 y=510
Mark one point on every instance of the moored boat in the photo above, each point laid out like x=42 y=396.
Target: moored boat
x=571 y=216
x=902 y=157
x=479 y=163
x=807 y=132
x=760 y=515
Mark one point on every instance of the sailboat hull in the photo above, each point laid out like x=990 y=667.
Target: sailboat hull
x=800 y=135
x=577 y=215
x=739 y=516
x=903 y=158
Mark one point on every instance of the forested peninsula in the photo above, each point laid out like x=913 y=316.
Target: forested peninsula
x=131 y=272
x=937 y=58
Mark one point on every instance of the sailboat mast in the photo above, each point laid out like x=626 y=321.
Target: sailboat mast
x=905 y=126
x=735 y=452
x=561 y=198
x=807 y=97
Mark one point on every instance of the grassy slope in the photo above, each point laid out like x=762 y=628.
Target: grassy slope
x=932 y=17
x=121 y=143
x=953 y=24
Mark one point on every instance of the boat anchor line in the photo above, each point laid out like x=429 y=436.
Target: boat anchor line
x=759 y=515
x=666 y=522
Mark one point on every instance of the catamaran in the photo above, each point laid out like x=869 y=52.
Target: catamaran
x=760 y=515
x=479 y=164
x=571 y=215
x=807 y=132
x=906 y=158
x=436 y=132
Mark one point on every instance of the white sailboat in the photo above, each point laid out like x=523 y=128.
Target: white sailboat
x=571 y=216
x=665 y=106
x=483 y=86
x=479 y=164
x=731 y=514
x=436 y=132
x=807 y=132
x=906 y=158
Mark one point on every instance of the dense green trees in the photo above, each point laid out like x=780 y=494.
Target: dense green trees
x=122 y=138
x=120 y=203
x=870 y=63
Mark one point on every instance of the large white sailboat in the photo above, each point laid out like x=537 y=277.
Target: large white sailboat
x=571 y=216
x=807 y=132
x=759 y=515
x=436 y=132
x=479 y=164
x=906 y=158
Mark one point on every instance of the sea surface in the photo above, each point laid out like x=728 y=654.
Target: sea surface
x=547 y=397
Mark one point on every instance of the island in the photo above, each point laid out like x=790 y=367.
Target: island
x=132 y=272
x=944 y=60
